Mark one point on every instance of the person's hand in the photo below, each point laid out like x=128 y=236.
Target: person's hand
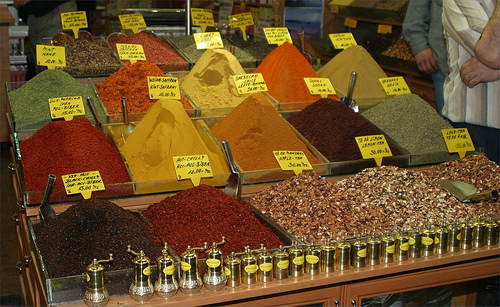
x=473 y=72
x=20 y=3
x=425 y=61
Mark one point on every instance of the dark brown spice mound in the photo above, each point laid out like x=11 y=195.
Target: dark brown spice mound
x=92 y=229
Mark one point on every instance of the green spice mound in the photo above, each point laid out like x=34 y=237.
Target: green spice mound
x=30 y=102
x=411 y=122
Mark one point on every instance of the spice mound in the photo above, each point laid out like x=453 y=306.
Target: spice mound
x=411 y=122
x=205 y=214
x=91 y=229
x=68 y=147
x=85 y=58
x=29 y=103
x=165 y=132
x=255 y=129
x=210 y=83
x=284 y=70
x=356 y=58
x=331 y=127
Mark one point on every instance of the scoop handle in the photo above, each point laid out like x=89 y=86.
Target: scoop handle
x=48 y=188
x=352 y=82
x=229 y=156
x=98 y=122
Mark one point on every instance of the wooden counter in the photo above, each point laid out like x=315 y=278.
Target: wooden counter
x=5 y=19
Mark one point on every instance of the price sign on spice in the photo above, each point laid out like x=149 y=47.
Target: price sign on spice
x=132 y=21
x=66 y=107
x=320 y=86
x=295 y=161
x=458 y=140
x=203 y=18
x=241 y=21
x=193 y=167
x=342 y=40
x=277 y=36
x=383 y=29
x=74 y=21
x=209 y=40
x=374 y=147
x=164 y=87
x=83 y=183
x=351 y=23
x=50 y=56
x=131 y=52
x=250 y=83
x=395 y=86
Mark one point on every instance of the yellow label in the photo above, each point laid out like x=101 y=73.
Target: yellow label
x=84 y=183
x=66 y=107
x=202 y=17
x=227 y=271
x=342 y=40
x=147 y=270
x=312 y=259
x=250 y=83
x=277 y=36
x=208 y=40
x=298 y=260
x=88 y=277
x=164 y=87
x=405 y=246
x=283 y=264
x=341 y=2
x=459 y=237
x=458 y=140
x=251 y=268
x=131 y=52
x=320 y=86
x=241 y=21
x=266 y=267
x=411 y=241
x=351 y=23
x=395 y=86
x=193 y=167
x=74 y=21
x=185 y=266
x=373 y=147
x=295 y=161
x=427 y=241
x=50 y=56
x=169 y=270
x=213 y=263
x=334 y=9
x=390 y=249
x=436 y=240
x=383 y=29
x=362 y=253
x=132 y=21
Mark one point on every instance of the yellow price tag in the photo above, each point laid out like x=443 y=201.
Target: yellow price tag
x=351 y=23
x=208 y=40
x=342 y=40
x=341 y=2
x=250 y=83
x=164 y=87
x=83 y=183
x=66 y=107
x=132 y=21
x=74 y=21
x=395 y=86
x=50 y=56
x=241 y=21
x=131 y=52
x=193 y=167
x=458 y=140
x=383 y=29
x=334 y=9
x=320 y=86
x=295 y=161
x=203 y=18
x=277 y=36
x=373 y=147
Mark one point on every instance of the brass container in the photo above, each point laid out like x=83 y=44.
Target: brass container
x=402 y=246
x=358 y=253
x=373 y=250
x=454 y=230
x=387 y=248
x=166 y=286
x=343 y=255
x=478 y=233
x=232 y=270
x=490 y=233
x=249 y=268
x=215 y=279
x=141 y=290
x=328 y=257
x=466 y=235
x=415 y=242
x=312 y=260
x=96 y=294
x=428 y=237
x=265 y=263
x=441 y=241
x=281 y=263
x=190 y=281
x=296 y=260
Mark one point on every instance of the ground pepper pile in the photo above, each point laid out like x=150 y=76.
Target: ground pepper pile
x=91 y=229
x=85 y=58
x=331 y=127
x=205 y=214
x=156 y=50
x=254 y=129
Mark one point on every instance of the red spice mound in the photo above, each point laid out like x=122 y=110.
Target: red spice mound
x=205 y=214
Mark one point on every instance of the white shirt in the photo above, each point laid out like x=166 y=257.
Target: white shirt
x=463 y=22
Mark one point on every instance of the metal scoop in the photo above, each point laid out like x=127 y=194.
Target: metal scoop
x=127 y=127
x=233 y=185
x=45 y=210
x=98 y=123
x=467 y=193
x=347 y=100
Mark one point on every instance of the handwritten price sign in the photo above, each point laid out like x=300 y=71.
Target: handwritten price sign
x=458 y=140
x=374 y=147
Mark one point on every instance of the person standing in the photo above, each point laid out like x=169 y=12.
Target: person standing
x=473 y=105
x=423 y=30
